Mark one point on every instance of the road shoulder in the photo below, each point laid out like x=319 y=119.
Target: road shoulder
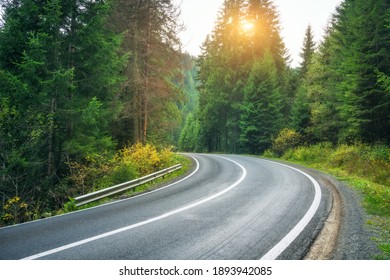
x=345 y=234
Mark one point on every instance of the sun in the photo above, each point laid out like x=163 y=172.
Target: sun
x=247 y=26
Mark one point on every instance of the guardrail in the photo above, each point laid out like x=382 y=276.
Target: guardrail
x=87 y=198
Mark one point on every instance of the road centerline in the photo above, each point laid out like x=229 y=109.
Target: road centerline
x=148 y=221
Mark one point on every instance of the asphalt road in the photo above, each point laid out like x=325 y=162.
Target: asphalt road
x=228 y=207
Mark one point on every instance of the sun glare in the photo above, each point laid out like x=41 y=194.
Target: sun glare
x=247 y=26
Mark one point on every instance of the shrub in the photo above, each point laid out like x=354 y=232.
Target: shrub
x=287 y=139
x=363 y=160
x=144 y=157
x=124 y=172
x=317 y=154
x=15 y=211
x=101 y=171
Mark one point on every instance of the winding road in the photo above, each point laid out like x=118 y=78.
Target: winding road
x=229 y=207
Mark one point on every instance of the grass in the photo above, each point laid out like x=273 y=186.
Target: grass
x=366 y=169
x=184 y=161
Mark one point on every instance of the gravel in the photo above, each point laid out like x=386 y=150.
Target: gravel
x=355 y=239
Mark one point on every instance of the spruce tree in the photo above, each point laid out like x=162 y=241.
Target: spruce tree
x=361 y=35
x=68 y=65
x=308 y=50
x=150 y=93
x=226 y=64
x=261 y=117
x=300 y=111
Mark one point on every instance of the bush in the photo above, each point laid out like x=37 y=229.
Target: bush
x=287 y=139
x=123 y=173
x=145 y=158
x=364 y=160
x=15 y=211
x=317 y=154
x=102 y=171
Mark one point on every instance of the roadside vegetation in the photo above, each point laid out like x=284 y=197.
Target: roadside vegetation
x=96 y=172
x=365 y=168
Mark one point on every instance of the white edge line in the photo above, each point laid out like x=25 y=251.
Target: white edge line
x=293 y=234
x=113 y=202
x=168 y=214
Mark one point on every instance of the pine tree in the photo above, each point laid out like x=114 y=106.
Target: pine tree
x=266 y=35
x=307 y=51
x=226 y=64
x=150 y=92
x=221 y=77
x=67 y=62
x=261 y=117
x=300 y=111
x=361 y=35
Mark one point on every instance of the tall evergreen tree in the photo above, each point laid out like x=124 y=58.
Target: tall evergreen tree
x=362 y=36
x=150 y=93
x=266 y=36
x=308 y=50
x=226 y=64
x=66 y=62
x=261 y=116
x=300 y=111
x=221 y=73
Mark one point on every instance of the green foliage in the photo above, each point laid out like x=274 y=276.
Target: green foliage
x=70 y=76
x=287 y=139
x=70 y=205
x=241 y=75
x=384 y=80
x=60 y=70
x=190 y=135
x=307 y=51
x=309 y=154
x=368 y=161
x=150 y=93
x=358 y=50
x=371 y=162
x=261 y=116
x=300 y=110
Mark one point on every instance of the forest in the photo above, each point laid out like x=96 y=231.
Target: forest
x=248 y=92
x=89 y=87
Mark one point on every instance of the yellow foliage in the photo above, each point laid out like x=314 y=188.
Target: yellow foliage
x=15 y=211
x=166 y=157
x=99 y=171
x=145 y=158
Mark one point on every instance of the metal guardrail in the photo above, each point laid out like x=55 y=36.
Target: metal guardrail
x=87 y=198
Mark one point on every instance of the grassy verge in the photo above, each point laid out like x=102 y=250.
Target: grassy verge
x=155 y=184
x=363 y=167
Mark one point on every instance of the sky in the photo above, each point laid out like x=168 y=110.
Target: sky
x=199 y=17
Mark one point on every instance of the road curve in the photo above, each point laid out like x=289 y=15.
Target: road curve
x=230 y=207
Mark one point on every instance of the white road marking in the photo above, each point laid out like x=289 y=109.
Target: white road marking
x=171 y=213
x=294 y=233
